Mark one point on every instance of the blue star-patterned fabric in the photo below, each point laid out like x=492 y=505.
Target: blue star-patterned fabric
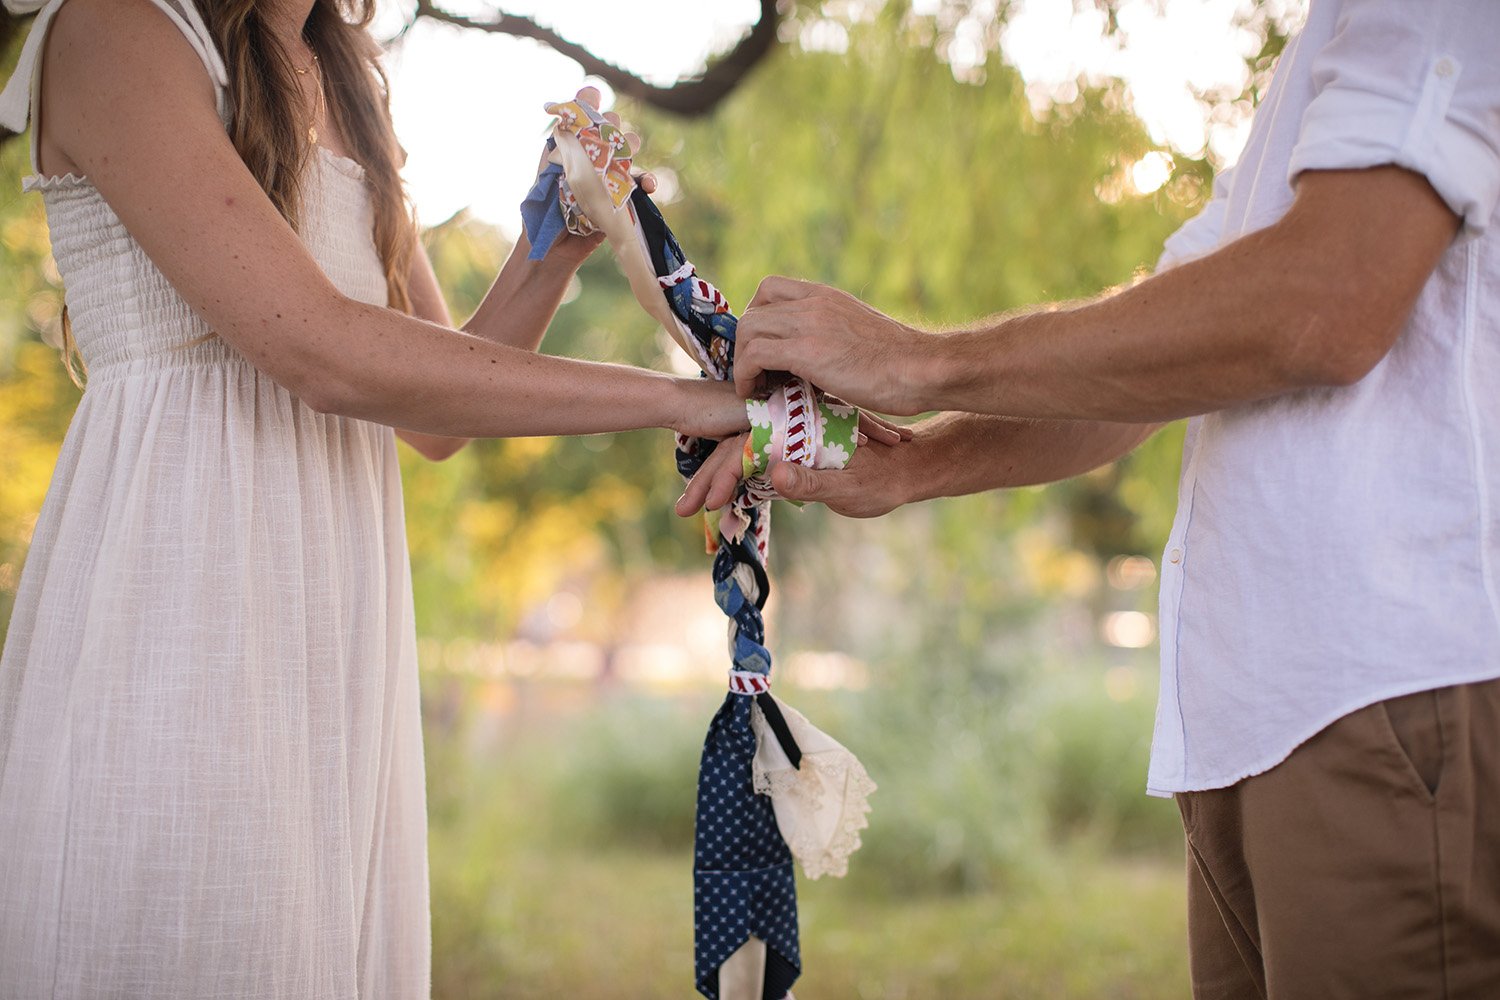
x=743 y=882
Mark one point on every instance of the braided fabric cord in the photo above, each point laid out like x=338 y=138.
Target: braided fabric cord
x=754 y=791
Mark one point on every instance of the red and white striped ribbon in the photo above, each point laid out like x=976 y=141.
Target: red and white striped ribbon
x=745 y=682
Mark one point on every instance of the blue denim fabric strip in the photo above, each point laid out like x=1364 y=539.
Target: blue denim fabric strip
x=541 y=213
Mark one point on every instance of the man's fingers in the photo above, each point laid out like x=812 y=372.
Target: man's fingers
x=589 y=96
x=746 y=369
x=797 y=482
x=691 y=501
x=726 y=480
x=758 y=348
x=763 y=354
x=779 y=289
x=647 y=181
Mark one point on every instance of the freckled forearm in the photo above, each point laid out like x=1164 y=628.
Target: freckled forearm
x=375 y=364
x=523 y=299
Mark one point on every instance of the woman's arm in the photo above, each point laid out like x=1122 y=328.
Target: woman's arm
x=521 y=302
x=427 y=303
x=515 y=311
x=128 y=101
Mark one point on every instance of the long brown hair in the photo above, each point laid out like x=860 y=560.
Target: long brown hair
x=269 y=131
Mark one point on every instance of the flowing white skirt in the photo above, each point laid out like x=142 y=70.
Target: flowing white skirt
x=211 y=778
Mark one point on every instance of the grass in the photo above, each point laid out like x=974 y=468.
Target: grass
x=601 y=927
x=526 y=906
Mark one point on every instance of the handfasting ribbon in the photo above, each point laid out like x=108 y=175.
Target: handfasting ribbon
x=771 y=787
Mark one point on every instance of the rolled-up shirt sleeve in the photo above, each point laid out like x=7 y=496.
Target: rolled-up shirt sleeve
x=1414 y=83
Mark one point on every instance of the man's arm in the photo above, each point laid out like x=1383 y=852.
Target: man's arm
x=1316 y=299
x=951 y=454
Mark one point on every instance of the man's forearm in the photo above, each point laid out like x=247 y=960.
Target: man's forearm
x=954 y=454
x=1315 y=300
x=950 y=455
x=1142 y=354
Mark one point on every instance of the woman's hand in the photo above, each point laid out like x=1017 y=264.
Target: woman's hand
x=707 y=409
x=572 y=249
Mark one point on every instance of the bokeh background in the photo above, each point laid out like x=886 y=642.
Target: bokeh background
x=991 y=658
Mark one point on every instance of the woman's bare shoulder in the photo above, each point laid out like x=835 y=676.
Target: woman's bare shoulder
x=122 y=42
x=106 y=58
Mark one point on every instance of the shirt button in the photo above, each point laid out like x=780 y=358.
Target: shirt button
x=1175 y=556
x=1444 y=67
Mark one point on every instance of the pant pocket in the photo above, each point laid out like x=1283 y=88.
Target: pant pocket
x=1418 y=732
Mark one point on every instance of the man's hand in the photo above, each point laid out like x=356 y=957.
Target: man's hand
x=951 y=454
x=833 y=340
x=872 y=484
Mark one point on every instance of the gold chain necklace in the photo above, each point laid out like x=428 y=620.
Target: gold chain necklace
x=312 y=128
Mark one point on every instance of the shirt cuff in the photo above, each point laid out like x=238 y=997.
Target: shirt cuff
x=1345 y=128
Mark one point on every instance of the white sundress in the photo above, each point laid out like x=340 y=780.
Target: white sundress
x=211 y=777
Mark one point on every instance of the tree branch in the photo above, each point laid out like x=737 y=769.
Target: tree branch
x=689 y=97
x=693 y=96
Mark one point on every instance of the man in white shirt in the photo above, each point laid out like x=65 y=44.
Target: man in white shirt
x=1329 y=718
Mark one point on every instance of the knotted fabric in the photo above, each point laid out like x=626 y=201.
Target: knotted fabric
x=771 y=787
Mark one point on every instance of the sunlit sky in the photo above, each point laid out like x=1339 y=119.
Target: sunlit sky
x=468 y=105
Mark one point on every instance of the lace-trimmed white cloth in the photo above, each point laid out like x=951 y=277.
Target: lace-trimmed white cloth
x=820 y=806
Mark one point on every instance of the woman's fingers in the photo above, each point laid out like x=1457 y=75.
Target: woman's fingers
x=589 y=96
x=874 y=430
x=879 y=429
x=713 y=485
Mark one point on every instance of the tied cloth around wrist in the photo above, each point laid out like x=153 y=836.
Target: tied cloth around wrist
x=771 y=786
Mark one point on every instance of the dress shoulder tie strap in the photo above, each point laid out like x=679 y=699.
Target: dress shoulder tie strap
x=18 y=100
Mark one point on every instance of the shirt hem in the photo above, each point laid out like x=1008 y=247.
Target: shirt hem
x=1166 y=790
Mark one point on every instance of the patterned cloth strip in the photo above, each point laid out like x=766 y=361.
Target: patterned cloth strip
x=551 y=207
x=800 y=425
x=744 y=883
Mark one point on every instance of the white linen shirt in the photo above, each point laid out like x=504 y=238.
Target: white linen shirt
x=1336 y=547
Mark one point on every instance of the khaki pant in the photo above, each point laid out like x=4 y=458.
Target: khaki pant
x=1365 y=865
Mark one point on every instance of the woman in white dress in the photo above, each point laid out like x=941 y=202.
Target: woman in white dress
x=211 y=780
